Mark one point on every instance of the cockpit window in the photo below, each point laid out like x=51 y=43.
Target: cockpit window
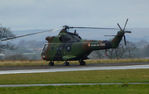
x=45 y=48
x=70 y=37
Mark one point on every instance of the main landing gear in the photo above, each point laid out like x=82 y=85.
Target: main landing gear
x=66 y=63
x=82 y=62
x=51 y=63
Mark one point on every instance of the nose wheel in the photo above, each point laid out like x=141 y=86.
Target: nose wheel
x=51 y=63
x=82 y=62
x=66 y=63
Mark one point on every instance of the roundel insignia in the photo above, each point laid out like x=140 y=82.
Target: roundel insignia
x=68 y=48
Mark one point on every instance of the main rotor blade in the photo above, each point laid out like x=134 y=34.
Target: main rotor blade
x=9 y=38
x=92 y=28
x=109 y=35
x=125 y=24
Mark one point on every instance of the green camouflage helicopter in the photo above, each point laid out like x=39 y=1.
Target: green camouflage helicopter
x=68 y=46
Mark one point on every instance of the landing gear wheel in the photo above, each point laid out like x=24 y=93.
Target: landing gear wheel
x=51 y=63
x=66 y=63
x=82 y=62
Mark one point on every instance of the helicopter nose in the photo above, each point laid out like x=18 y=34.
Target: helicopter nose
x=43 y=57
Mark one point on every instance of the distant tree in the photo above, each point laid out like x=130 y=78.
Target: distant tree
x=5 y=33
x=142 y=49
x=116 y=53
x=16 y=57
x=96 y=54
x=130 y=50
x=123 y=51
x=146 y=51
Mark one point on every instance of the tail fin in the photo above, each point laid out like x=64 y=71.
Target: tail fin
x=117 y=39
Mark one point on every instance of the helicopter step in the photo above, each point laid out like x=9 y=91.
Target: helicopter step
x=66 y=63
x=82 y=62
x=51 y=63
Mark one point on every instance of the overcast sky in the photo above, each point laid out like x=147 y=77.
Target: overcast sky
x=41 y=14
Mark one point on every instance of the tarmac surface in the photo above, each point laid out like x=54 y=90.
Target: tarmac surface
x=70 y=84
x=60 y=68
x=71 y=66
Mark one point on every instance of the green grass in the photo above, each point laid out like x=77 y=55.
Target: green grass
x=98 y=89
x=41 y=62
x=137 y=75
x=123 y=76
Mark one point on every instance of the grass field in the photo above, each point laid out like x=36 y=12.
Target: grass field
x=41 y=62
x=124 y=76
x=98 y=89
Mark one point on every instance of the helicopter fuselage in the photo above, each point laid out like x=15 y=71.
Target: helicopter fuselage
x=69 y=46
x=72 y=51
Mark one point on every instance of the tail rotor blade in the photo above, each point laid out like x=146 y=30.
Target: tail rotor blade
x=125 y=24
x=119 y=26
x=125 y=40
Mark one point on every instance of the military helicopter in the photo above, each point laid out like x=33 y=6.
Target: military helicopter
x=68 y=46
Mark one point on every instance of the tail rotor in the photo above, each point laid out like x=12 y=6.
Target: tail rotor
x=123 y=30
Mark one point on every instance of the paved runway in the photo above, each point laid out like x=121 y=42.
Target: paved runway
x=70 y=84
x=80 y=68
